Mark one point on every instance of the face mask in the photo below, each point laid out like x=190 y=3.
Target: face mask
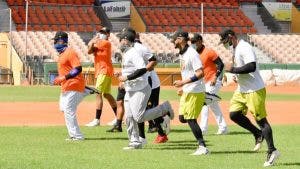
x=228 y=44
x=124 y=47
x=60 y=47
x=102 y=36
x=194 y=46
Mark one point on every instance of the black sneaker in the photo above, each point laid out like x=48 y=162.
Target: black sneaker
x=258 y=142
x=115 y=129
x=152 y=130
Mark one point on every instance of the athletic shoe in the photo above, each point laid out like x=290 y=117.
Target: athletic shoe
x=152 y=130
x=271 y=158
x=93 y=123
x=201 y=150
x=133 y=145
x=113 y=122
x=167 y=108
x=143 y=141
x=160 y=139
x=166 y=126
x=258 y=143
x=92 y=90
x=222 y=132
x=115 y=128
x=75 y=139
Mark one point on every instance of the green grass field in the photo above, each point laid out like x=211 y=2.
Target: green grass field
x=46 y=148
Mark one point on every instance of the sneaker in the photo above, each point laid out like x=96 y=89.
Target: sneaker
x=222 y=132
x=92 y=90
x=143 y=141
x=166 y=124
x=258 y=143
x=201 y=150
x=133 y=145
x=160 y=139
x=115 y=128
x=152 y=130
x=113 y=122
x=271 y=158
x=75 y=139
x=167 y=108
x=93 y=123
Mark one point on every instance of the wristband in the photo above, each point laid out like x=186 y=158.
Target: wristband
x=194 y=78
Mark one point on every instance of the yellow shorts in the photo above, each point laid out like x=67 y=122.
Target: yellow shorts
x=103 y=83
x=191 y=105
x=254 y=102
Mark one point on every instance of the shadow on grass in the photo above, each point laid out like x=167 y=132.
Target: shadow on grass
x=238 y=133
x=180 y=130
x=177 y=147
x=288 y=164
x=107 y=138
x=236 y=152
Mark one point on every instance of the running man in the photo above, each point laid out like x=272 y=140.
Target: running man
x=191 y=88
x=250 y=94
x=212 y=67
x=101 y=48
x=72 y=84
x=135 y=78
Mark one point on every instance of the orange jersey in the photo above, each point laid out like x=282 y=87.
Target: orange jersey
x=102 y=59
x=67 y=61
x=208 y=56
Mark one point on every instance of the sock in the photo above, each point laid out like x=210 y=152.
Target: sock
x=119 y=123
x=157 y=123
x=115 y=110
x=267 y=134
x=244 y=122
x=98 y=113
x=142 y=129
x=181 y=119
x=151 y=124
x=196 y=131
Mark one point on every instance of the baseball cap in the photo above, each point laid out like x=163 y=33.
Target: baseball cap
x=104 y=30
x=180 y=33
x=60 y=35
x=225 y=34
x=129 y=29
x=196 y=37
x=127 y=35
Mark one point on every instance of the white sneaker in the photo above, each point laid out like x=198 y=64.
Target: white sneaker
x=167 y=108
x=258 y=143
x=133 y=145
x=271 y=158
x=93 y=123
x=201 y=150
x=166 y=124
x=143 y=141
x=75 y=139
x=222 y=132
x=113 y=122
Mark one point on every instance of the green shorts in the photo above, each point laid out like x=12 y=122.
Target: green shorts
x=254 y=102
x=191 y=105
x=103 y=83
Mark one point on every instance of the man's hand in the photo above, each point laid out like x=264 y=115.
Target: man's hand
x=179 y=92
x=58 y=80
x=117 y=74
x=178 y=83
x=213 y=82
x=228 y=67
x=122 y=78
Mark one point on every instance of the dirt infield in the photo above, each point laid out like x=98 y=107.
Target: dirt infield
x=47 y=113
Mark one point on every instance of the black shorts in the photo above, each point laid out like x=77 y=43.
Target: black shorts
x=121 y=94
x=154 y=98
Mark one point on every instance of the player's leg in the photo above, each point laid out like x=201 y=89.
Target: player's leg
x=120 y=111
x=204 y=119
x=215 y=107
x=106 y=90
x=238 y=110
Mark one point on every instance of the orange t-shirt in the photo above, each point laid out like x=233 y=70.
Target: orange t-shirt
x=102 y=59
x=67 y=61
x=209 y=67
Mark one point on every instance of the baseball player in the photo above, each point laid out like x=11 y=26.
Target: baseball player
x=250 y=94
x=101 y=48
x=72 y=84
x=192 y=88
x=135 y=78
x=212 y=67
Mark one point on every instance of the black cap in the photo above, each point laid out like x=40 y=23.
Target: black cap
x=60 y=35
x=196 y=37
x=104 y=30
x=127 y=35
x=225 y=34
x=180 y=33
x=129 y=29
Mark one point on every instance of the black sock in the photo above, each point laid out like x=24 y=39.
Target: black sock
x=119 y=123
x=115 y=110
x=244 y=122
x=98 y=113
x=151 y=124
x=181 y=119
x=157 y=123
x=196 y=131
x=142 y=129
x=267 y=133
